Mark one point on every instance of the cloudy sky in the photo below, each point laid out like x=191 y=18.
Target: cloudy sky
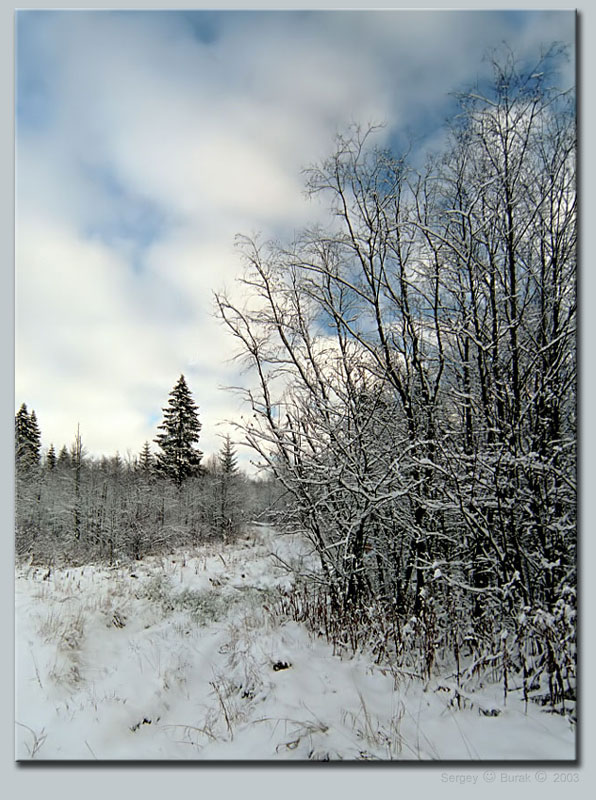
x=147 y=140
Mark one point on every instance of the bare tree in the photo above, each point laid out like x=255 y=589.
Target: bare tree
x=415 y=364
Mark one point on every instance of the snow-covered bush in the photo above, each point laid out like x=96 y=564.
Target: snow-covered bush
x=415 y=387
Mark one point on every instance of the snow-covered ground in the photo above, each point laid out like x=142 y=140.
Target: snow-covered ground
x=184 y=657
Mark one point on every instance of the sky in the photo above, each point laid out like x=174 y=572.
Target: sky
x=146 y=141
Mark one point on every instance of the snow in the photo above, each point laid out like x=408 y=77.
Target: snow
x=185 y=657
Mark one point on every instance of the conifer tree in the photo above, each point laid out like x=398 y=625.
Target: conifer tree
x=51 y=458
x=21 y=433
x=35 y=437
x=63 y=457
x=228 y=458
x=146 y=460
x=228 y=513
x=27 y=438
x=179 y=458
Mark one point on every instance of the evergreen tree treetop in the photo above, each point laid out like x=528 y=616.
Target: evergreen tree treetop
x=179 y=458
x=35 y=436
x=228 y=458
x=146 y=459
x=22 y=422
x=51 y=458
x=63 y=457
x=27 y=438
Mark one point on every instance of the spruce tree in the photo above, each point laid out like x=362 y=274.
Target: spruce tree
x=179 y=458
x=228 y=491
x=146 y=460
x=21 y=433
x=227 y=457
x=35 y=435
x=27 y=439
x=51 y=458
x=63 y=457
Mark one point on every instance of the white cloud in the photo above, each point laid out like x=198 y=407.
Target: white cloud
x=88 y=353
x=155 y=149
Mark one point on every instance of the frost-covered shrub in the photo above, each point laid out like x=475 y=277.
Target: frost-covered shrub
x=202 y=605
x=158 y=590
x=546 y=650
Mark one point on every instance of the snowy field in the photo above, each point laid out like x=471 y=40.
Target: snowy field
x=184 y=657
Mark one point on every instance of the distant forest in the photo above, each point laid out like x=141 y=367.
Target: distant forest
x=72 y=508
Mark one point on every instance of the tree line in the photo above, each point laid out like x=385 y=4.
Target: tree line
x=75 y=508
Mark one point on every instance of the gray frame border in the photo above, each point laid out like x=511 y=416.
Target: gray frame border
x=288 y=782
